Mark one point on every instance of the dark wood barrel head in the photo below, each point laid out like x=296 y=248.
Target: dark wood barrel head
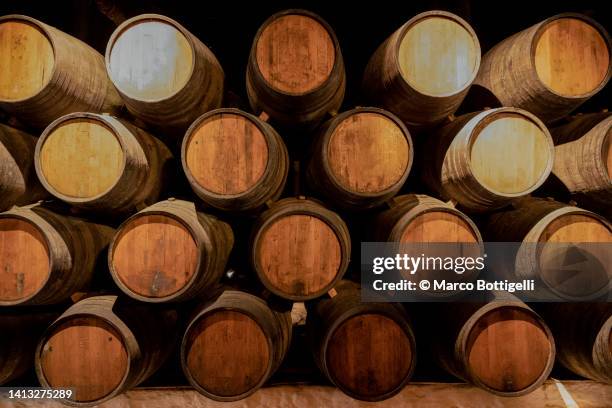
x=27 y=59
x=227 y=353
x=439 y=226
x=295 y=54
x=154 y=256
x=572 y=57
x=368 y=152
x=227 y=154
x=299 y=254
x=24 y=260
x=369 y=355
x=81 y=158
x=508 y=350
x=86 y=354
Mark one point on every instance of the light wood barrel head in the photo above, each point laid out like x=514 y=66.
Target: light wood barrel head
x=295 y=54
x=85 y=354
x=154 y=256
x=81 y=158
x=368 y=152
x=508 y=350
x=438 y=56
x=227 y=353
x=24 y=260
x=571 y=57
x=439 y=226
x=227 y=154
x=299 y=255
x=369 y=355
x=150 y=60
x=27 y=59
x=510 y=154
x=576 y=228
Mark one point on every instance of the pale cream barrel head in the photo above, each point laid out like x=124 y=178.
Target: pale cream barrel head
x=155 y=256
x=26 y=60
x=295 y=54
x=81 y=158
x=438 y=226
x=150 y=60
x=227 y=154
x=510 y=154
x=368 y=152
x=438 y=56
x=571 y=57
x=24 y=259
x=85 y=354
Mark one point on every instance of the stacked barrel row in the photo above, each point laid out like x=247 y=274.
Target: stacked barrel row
x=113 y=134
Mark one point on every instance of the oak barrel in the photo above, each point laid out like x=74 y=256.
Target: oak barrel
x=295 y=71
x=166 y=76
x=100 y=162
x=169 y=252
x=423 y=70
x=233 y=344
x=299 y=248
x=234 y=161
x=47 y=73
x=18 y=182
x=549 y=68
x=46 y=257
x=365 y=349
x=361 y=158
x=103 y=346
x=484 y=160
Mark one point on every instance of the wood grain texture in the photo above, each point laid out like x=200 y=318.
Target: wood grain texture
x=547 y=69
x=166 y=76
x=424 y=69
x=47 y=73
x=571 y=57
x=576 y=228
x=295 y=71
x=439 y=226
x=234 y=161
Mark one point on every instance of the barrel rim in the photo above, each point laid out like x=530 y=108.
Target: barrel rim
x=450 y=16
x=484 y=118
x=64 y=119
x=120 y=232
x=44 y=29
x=144 y=18
x=358 y=311
x=604 y=341
x=578 y=16
x=329 y=132
x=63 y=319
x=294 y=11
x=468 y=326
x=210 y=309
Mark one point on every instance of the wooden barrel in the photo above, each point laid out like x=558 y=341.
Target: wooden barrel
x=165 y=75
x=423 y=70
x=234 y=161
x=549 y=68
x=361 y=158
x=583 y=334
x=486 y=159
x=102 y=163
x=299 y=248
x=583 y=158
x=102 y=346
x=553 y=232
x=233 y=345
x=46 y=257
x=365 y=349
x=295 y=71
x=18 y=182
x=169 y=252
x=47 y=73
x=501 y=346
